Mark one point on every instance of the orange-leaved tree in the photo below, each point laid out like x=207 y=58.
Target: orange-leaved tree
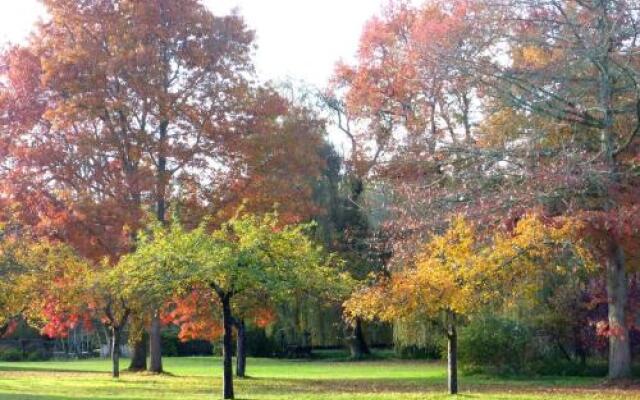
x=113 y=105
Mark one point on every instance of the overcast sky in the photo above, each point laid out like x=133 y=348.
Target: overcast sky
x=297 y=39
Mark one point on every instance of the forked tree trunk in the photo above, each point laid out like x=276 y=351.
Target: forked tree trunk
x=619 y=348
x=227 y=348
x=155 y=344
x=139 y=355
x=241 y=349
x=115 y=351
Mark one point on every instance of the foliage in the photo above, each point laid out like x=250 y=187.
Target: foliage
x=11 y=355
x=248 y=257
x=496 y=343
x=456 y=273
x=248 y=253
x=116 y=107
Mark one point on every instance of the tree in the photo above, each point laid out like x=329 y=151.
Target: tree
x=574 y=64
x=455 y=275
x=125 y=99
x=554 y=85
x=408 y=114
x=59 y=290
x=244 y=257
x=12 y=301
x=197 y=315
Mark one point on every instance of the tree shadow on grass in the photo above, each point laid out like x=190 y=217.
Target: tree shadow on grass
x=430 y=386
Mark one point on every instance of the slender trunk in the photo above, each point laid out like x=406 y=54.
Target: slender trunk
x=155 y=344
x=227 y=348
x=115 y=352
x=452 y=354
x=139 y=347
x=466 y=106
x=619 y=349
x=139 y=355
x=241 y=350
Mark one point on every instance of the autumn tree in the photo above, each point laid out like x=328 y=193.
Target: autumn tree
x=197 y=314
x=58 y=291
x=551 y=120
x=455 y=275
x=573 y=64
x=407 y=115
x=13 y=298
x=246 y=256
x=114 y=103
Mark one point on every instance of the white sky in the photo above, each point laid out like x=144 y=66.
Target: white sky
x=297 y=39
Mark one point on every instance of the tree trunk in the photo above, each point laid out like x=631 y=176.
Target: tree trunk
x=241 y=350
x=619 y=349
x=357 y=343
x=139 y=355
x=227 y=348
x=155 y=344
x=115 y=352
x=155 y=338
x=452 y=354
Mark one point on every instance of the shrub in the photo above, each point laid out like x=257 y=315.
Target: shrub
x=195 y=348
x=432 y=351
x=562 y=367
x=38 y=355
x=11 y=355
x=495 y=344
x=259 y=344
x=169 y=344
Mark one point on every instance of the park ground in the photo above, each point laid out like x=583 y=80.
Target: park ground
x=199 y=378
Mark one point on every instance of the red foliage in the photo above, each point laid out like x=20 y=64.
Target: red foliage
x=198 y=315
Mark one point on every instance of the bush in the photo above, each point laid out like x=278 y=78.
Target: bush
x=11 y=355
x=495 y=344
x=169 y=344
x=259 y=344
x=429 y=352
x=38 y=355
x=563 y=367
x=195 y=348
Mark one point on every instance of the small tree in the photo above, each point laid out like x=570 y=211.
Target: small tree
x=59 y=290
x=456 y=275
x=246 y=257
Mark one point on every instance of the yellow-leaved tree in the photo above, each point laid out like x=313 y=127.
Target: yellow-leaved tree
x=456 y=274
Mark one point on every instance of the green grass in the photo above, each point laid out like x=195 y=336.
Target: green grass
x=198 y=378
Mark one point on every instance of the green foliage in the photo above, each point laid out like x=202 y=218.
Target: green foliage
x=169 y=344
x=245 y=255
x=259 y=344
x=418 y=339
x=11 y=354
x=38 y=355
x=558 y=366
x=432 y=351
x=495 y=343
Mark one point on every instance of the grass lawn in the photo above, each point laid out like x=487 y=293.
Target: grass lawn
x=198 y=378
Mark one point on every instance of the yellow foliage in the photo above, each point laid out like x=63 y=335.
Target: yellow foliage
x=457 y=273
